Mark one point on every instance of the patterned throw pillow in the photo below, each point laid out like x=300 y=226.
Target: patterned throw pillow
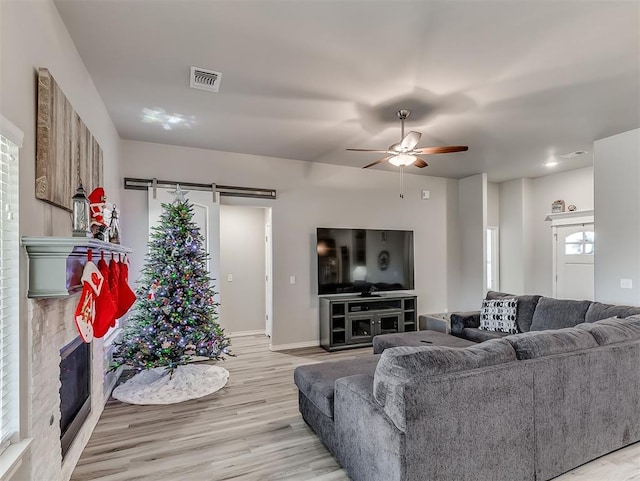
x=499 y=315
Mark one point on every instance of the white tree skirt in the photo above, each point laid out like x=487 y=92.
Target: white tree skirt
x=154 y=386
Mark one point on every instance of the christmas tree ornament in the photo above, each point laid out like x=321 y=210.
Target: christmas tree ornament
x=152 y=290
x=179 y=194
x=80 y=213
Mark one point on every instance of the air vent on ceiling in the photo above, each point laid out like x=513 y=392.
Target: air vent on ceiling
x=571 y=155
x=204 y=79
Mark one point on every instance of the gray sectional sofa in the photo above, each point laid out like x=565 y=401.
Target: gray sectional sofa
x=524 y=407
x=538 y=313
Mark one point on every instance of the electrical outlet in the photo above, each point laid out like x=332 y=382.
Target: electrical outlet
x=292 y=279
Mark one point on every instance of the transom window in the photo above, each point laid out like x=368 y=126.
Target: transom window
x=579 y=243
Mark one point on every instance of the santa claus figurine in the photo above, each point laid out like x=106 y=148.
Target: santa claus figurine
x=97 y=202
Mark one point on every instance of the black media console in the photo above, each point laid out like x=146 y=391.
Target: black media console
x=348 y=322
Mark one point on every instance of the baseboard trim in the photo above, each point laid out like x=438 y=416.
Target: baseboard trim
x=257 y=332
x=110 y=380
x=295 y=345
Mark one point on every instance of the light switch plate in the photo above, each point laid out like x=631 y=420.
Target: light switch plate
x=229 y=277
x=426 y=195
x=292 y=279
x=626 y=283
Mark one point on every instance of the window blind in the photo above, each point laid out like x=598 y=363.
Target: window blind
x=9 y=300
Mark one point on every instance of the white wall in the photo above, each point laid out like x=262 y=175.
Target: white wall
x=473 y=241
x=32 y=35
x=516 y=245
x=242 y=255
x=617 y=217
x=309 y=195
x=493 y=204
x=574 y=187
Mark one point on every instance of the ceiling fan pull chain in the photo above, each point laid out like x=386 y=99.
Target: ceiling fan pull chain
x=402 y=181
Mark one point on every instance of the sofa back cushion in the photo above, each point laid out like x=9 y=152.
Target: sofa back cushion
x=613 y=330
x=534 y=344
x=525 y=309
x=598 y=311
x=401 y=366
x=558 y=313
x=497 y=295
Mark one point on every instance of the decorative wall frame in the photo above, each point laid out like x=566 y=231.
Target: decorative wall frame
x=64 y=147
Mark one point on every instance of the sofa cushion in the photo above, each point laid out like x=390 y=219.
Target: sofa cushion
x=526 y=308
x=534 y=344
x=401 y=365
x=478 y=335
x=317 y=381
x=613 y=330
x=499 y=315
x=461 y=320
x=558 y=313
x=497 y=295
x=598 y=311
x=417 y=339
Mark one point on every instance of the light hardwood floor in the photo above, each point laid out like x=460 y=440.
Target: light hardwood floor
x=250 y=430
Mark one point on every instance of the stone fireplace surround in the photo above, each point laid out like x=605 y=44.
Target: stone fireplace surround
x=52 y=328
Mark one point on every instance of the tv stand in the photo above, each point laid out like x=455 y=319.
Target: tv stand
x=348 y=322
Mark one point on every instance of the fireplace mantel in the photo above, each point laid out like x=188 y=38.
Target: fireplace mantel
x=56 y=263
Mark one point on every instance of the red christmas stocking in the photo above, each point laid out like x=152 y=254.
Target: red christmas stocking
x=92 y=282
x=126 y=296
x=114 y=281
x=105 y=307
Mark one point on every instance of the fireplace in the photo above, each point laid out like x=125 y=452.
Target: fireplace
x=75 y=390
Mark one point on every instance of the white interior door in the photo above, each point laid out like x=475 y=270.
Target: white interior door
x=574 y=253
x=268 y=277
x=206 y=214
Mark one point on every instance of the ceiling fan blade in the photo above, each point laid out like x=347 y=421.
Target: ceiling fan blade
x=420 y=163
x=368 y=150
x=445 y=149
x=377 y=162
x=410 y=140
x=397 y=147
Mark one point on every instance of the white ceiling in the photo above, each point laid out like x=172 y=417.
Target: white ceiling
x=516 y=81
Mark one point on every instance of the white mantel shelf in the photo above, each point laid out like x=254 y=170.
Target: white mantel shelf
x=56 y=263
x=571 y=217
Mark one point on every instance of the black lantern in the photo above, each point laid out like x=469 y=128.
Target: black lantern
x=80 y=213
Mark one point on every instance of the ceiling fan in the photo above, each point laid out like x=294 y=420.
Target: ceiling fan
x=404 y=153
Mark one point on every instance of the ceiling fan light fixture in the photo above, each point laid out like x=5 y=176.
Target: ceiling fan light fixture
x=402 y=160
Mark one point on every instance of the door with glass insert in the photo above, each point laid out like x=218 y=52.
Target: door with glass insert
x=575 y=247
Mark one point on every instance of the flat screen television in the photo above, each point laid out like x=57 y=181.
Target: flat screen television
x=364 y=260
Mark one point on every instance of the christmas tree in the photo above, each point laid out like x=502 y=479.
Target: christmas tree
x=176 y=315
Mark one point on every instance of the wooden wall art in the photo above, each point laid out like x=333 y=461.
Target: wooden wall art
x=63 y=142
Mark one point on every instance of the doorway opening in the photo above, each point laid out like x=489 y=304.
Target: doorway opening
x=246 y=270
